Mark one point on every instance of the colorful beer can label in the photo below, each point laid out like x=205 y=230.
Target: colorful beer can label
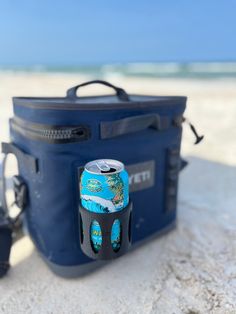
x=105 y=192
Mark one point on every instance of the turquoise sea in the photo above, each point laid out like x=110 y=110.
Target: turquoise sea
x=206 y=70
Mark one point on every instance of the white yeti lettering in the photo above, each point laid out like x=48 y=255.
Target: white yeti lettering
x=139 y=177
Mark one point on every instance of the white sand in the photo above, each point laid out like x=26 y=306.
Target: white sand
x=192 y=269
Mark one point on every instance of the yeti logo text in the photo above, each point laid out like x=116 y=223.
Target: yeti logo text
x=141 y=175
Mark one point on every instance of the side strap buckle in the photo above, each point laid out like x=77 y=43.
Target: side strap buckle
x=20 y=191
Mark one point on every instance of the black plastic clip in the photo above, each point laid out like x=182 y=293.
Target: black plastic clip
x=20 y=191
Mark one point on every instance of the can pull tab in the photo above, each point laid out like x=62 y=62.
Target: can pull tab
x=103 y=166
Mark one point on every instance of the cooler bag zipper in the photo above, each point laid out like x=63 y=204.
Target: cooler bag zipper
x=50 y=133
x=67 y=134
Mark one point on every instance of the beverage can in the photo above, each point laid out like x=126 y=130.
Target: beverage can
x=104 y=188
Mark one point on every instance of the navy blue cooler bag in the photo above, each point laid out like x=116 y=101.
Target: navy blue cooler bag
x=53 y=138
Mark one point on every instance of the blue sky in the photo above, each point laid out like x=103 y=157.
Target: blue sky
x=56 y=32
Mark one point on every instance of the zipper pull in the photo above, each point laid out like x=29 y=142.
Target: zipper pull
x=78 y=132
x=199 y=138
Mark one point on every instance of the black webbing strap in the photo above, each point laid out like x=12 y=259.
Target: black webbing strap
x=5 y=249
x=5 y=227
x=8 y=224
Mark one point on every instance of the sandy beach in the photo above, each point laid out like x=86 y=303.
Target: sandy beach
x=192 y=269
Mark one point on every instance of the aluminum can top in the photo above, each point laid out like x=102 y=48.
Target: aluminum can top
x=104 y=166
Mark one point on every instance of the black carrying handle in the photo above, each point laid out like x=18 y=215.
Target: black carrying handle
x=120 y=93
x=111 y=129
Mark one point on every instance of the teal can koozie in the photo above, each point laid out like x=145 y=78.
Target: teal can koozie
x=104 y=188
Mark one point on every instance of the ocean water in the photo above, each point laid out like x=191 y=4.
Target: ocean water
x=193 y=70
